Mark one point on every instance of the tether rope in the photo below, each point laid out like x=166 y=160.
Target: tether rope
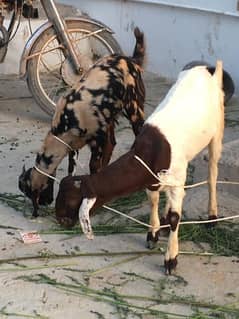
x=46 y=174
x=172 y=185
x=160 y=183
x=168 y=225
x=63 y=142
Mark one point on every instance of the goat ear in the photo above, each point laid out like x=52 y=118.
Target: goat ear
x=23 y=169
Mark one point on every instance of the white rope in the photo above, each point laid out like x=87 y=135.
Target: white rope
x=166 y=172
x=44 y=173
x=162 y=226
x=168 y=225
x=66 y=144
x=227 y=182
x=63 y=142
x=146 y=166
x=127 y=216
x=172 y=185
x=210 y=221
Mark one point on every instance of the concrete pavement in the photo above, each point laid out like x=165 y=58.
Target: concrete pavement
x=115 y=277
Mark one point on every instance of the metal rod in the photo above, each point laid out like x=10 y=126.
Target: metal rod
x=61 y=31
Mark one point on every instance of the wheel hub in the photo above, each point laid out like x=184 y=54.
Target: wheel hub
x=68 y=74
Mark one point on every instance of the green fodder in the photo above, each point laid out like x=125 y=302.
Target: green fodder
x=21 y=204
x=223 y=238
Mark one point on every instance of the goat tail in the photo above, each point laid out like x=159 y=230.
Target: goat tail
x=139 y=49
x=218 y=74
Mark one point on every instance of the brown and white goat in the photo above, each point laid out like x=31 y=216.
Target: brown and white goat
x=87 y=116
x=190 y=118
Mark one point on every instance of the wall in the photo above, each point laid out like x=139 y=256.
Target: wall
x=177 y=31
x=16 y=46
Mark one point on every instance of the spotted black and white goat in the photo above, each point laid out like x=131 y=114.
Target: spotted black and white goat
x=87 y=116
x=190 y=118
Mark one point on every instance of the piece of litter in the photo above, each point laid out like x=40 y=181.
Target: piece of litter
x=31 y=237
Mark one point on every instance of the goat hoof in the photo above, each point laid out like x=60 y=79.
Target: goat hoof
x=152 y=245
x=170 y=265
x=152 y=240
x=35 y=213
x=214 y=223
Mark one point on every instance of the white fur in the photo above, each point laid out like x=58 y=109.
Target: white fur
x=191 y=117
x=84 y=217
x=190 y=112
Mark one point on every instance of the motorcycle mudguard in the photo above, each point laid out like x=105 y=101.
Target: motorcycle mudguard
x=47 y=25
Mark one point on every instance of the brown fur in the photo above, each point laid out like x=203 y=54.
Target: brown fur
x=122 y=177
x=88 y=113
x=79 y=196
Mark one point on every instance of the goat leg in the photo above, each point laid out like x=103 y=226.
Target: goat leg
x=35 y=197
x=84 y=217
x=72 y=162
x=109 y=145
x=153 y=233
x=152 y=239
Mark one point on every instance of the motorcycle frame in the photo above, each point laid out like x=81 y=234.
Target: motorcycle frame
x=61 y=31
x=60 y=27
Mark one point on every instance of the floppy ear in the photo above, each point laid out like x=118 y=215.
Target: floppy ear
x=22 y=181
x=23 y=169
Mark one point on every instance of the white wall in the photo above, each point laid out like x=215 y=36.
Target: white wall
x=16 y=46
x=177 y=31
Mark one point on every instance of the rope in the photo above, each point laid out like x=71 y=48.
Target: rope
x=44 y=173
x=147 y=167
x=168 y=225
x=173 y=185
x=63 y=142
x=66 y=144
x=162 y=226
x=127 y=216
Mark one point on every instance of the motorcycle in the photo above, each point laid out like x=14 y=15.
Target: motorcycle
x=58 y=52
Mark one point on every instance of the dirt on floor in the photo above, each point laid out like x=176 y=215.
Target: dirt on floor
x=114 y=275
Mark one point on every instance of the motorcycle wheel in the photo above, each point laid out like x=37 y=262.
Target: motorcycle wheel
x=4 y=37
x=49 y=74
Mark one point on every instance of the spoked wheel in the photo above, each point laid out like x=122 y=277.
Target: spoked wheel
x=49 y=74
x=3 y=42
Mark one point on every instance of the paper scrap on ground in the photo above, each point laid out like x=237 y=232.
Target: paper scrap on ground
x=30 y=237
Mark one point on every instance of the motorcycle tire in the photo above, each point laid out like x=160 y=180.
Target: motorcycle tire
x=47 y=82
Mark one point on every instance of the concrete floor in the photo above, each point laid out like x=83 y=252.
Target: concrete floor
x=135 y=281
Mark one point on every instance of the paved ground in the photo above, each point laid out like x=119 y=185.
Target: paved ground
x=113 y=276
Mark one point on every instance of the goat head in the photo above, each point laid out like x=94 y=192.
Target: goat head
x=39 y=196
